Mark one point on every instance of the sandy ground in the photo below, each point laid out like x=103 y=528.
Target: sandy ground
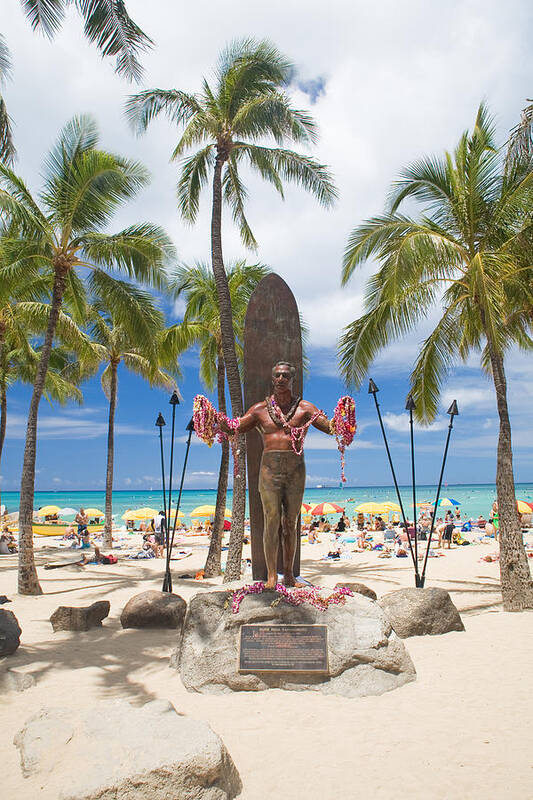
x=463 y=730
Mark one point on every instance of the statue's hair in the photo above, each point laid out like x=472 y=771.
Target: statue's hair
x=287 y=364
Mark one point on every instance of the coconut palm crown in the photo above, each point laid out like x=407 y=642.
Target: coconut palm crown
x=64 y=233
x=468 y=252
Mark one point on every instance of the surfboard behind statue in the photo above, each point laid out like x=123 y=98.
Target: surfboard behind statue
x=271 y=333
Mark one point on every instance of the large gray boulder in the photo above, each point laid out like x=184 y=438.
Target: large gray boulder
x=115 y=750
x=154 y=609
x=365 y=655
x=70 y=618
x=358 y=588
x=9 y=632
x=417 y=612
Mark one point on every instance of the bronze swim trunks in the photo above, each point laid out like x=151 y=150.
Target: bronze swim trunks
x=282 y=475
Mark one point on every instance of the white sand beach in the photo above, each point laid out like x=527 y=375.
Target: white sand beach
x=463 y=730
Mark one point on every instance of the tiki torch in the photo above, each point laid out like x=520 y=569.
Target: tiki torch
x=453 y=411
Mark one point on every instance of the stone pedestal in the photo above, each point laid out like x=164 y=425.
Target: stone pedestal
x=365 y=656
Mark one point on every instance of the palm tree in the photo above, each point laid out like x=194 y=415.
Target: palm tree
x=201 y=326
x=7 y=148
x=465 y=252
x=64 y=234
x=224 y=123
x=132 y=338
x=106 y=24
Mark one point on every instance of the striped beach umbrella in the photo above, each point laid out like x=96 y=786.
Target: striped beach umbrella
x=326 y=508
x=449 y=501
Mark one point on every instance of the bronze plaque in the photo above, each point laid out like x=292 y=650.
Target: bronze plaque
x=271 y=333
x=284 y=648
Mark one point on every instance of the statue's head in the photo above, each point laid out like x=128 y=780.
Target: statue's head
x=283 y=375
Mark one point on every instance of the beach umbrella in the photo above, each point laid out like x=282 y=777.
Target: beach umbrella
x=372 y=508
x=449 y=501
x=390 y=506
x=140 y=513
x=326 y=508
x=47 y=511
x=207 y=511
x=67 y=512
x=305 y=508
x=94 y=512
x=524 y=507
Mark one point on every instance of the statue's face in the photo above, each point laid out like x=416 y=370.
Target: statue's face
x=281 y=377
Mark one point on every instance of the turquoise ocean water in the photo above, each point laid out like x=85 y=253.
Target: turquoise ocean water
x=475 y=499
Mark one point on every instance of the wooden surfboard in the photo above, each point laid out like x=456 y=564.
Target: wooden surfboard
x=271 y=333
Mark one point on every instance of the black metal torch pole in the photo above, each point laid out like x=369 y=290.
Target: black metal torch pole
x=373 y=389
x=410 y=406
x=168 y=577
x=453 y=411
x=160 y=423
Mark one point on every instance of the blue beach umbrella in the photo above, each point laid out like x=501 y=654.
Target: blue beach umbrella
x=449 y=501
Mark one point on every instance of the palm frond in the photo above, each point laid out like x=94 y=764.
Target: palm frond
x=143 y=107
x=294 y=167
x=192 y=179
x=235 y=195
x=141 y=251
x=45 y=15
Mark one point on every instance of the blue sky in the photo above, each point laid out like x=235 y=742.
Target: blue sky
x=386 y=83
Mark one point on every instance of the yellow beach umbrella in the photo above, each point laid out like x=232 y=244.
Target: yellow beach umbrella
x=372 y=508
x=207 y=511
x=47 y=511
x=140 y=513
x=94 y=512
x=523 y=507
x=173 y=514
x=391 y=506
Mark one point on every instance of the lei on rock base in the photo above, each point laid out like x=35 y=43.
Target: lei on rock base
x=295 y=597
x=207 y=424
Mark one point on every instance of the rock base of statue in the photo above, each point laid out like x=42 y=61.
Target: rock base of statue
x=365 y=656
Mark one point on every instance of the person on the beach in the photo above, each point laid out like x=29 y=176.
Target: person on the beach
x=8 y=545
x=82 y=519
x=282 y=472
x=448 y=534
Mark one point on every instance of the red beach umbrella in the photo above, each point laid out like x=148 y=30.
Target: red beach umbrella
x=326 y=508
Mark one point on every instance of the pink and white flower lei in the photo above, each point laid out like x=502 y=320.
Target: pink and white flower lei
x=295 y=597
x=297 y=434
x=206 y=420
x=344 y=426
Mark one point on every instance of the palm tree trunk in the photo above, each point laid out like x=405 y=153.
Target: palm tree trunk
x=28 y=582
x=212 y=564
x=233 y=565
x=108 y=527
x=3 y=424
x=516 y=584
x=3 y=401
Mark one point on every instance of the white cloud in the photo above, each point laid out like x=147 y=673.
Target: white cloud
x=400 y=423
x=70 y=425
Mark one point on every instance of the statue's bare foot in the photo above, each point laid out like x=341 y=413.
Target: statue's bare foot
x=271 y=582
x=290 y=580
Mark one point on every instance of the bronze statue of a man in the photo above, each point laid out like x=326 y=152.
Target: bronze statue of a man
x=282 y=420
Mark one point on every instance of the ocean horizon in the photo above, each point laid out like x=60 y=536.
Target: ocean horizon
x=475 y=498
